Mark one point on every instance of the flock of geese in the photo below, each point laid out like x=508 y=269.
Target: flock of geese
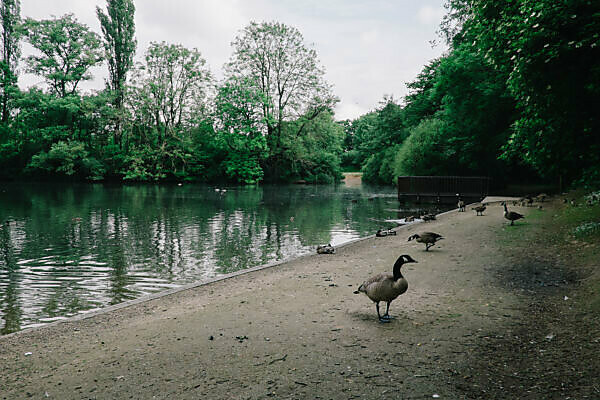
x=387 y=287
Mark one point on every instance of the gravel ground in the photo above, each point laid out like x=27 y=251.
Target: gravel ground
x=492 y=312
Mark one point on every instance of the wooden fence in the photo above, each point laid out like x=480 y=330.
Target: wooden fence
x=442 y=189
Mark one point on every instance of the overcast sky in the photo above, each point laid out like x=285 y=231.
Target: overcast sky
x=368 y=48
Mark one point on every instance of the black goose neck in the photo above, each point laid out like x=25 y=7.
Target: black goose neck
x=397 y=266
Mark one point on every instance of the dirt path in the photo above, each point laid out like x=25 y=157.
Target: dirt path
x=352 y=179
x=296 y=330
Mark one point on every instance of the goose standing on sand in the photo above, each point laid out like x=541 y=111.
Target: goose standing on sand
x=461 y=205
x=386 y=287
x=429 y=238
x=479 y=209
x=511 y=215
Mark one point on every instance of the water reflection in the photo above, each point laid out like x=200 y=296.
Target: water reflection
x=65 y=249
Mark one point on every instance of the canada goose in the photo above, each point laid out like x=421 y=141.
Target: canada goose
x=325 y=249
x=541 y=197
x=461 y=205
x=529 y=200
x=428 y=217
x=385 y=232
x=386 y=287
x=429 y=238
x=479 y=209
x=511 y=215
x=410 y=218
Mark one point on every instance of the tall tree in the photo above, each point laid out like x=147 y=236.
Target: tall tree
x=68 y=50
x=118 y=28
x=10 y=15
x=274 y=57
x=548 y=52
x=239 y=128
x=171 y=87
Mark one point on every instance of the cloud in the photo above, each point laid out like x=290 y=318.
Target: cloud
x=368 y=48
x=428 y=15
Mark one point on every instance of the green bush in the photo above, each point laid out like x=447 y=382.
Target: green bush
x=243 y=168
x=67 y=159
x=423 y=152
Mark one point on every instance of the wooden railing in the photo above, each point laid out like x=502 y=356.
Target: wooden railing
x=442 y=188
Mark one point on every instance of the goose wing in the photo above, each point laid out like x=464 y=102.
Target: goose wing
x=376 y=279
x=378 y=287
x=514 y=215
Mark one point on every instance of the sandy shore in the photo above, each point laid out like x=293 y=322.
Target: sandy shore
x=295 y=330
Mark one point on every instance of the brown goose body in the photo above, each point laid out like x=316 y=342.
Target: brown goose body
x=428 y=217
x=325 y=249
x=511 y=215
x=386 y=287
x=479 y=209
x=383 y=287
x=429 y=238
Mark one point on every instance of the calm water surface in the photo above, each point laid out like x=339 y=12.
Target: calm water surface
x=69 y=249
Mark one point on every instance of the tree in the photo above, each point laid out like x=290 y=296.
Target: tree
x=171 y=87
x=68 y=51
x=118 y=28
x=10 y=16
x=239 y=128
x=423 y=152
x=168 y=101
x=274 y=58
x=548 y=53
x=376 y=138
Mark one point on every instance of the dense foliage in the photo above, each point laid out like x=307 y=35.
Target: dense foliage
x=515 y=96
x=166 y=118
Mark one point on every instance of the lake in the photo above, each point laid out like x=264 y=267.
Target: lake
x=67 y=249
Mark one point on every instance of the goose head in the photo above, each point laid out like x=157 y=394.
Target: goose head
x=415 y=236
x=403 y=259
x=407 y=259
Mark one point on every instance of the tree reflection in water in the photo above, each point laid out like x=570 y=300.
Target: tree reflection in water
x=68 y=248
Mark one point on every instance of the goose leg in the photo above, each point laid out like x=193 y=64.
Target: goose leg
x=387 y=316
x=381 y=319
x=427 y=246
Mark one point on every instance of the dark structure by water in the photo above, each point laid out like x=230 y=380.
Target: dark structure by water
x=442 y=189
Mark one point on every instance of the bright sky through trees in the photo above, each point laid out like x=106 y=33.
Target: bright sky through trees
x=368 y=48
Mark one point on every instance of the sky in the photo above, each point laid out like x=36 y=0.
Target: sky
x=369 y=49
